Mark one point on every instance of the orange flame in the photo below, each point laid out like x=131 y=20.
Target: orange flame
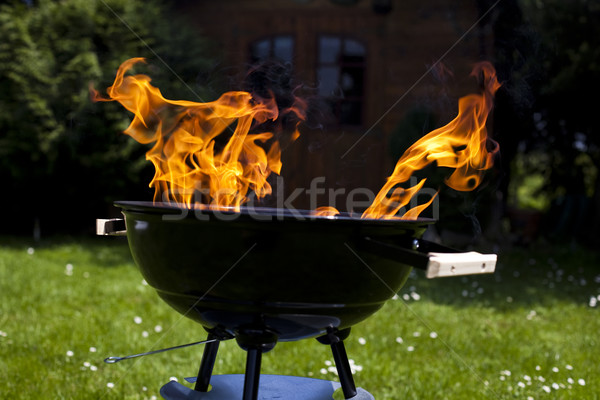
x=185 y=155
x=188 y=161
x=325 y=211
x=462 y=145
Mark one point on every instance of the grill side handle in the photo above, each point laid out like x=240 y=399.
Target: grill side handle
x=111 y=227
x=436 y=260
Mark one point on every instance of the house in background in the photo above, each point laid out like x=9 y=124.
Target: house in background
x=370 y=61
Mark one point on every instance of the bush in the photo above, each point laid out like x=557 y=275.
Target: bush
x=61 y=154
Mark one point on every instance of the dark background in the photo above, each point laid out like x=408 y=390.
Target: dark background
x=398 y=71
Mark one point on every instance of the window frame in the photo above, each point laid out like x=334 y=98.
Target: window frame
x=270 y=39
x=337 y=101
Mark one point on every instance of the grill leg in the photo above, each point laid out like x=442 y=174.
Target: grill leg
x=206 y=366
x=255 y=342
x=252 y=375
x=343 y=368
x=335 y=339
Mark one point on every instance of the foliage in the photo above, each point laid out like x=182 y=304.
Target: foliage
x=55 y=144
x=547 y=54
x=565 y=121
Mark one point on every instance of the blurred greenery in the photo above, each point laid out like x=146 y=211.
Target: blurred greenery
x=59 y=152
x=563 y=145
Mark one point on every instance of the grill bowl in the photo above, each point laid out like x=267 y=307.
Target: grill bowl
x=284 y=271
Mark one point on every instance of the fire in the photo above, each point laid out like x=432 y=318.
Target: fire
x=193 y=168
x=325 y=211
x=461 y=145
x=188 y=161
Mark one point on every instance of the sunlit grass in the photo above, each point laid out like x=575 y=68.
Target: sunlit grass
x=530 y=330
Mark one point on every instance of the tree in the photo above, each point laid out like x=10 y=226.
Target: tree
x=61 y=154
x=565 y=112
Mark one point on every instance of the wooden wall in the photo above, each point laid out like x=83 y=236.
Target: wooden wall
x=401 y=47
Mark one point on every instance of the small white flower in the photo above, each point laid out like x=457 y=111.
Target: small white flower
x=415 y=296
x=537 y=368
x=144 y=389
x=527 y=378
x=110 y=385
x=555 y=369
x=399 y=340
x=362 y=341
x=158 y=328
x=70 y=353
x=69 y=269
x=555 y=386
x=530 y=398
x=93 y=349
x=328 y=363
x=502 y=378
x=569 y=367
x=93 y=368
x=137 y=320
x=86 y=364
x=30 y=251
x=546 y=389
x=173 y=379
x=433 y=335
x=332 y=369
x=581 y=382
x=416 y=334
x=509 y=299
x=396 y=297
x=405 y=297
x=506 y=372
x=323 y=371
x=541 y=379
x=145 y=334
x=410 y=348
x=144 y=282
x=521 y=384
x=570 y=380
x=3 y=334
x=593 y=302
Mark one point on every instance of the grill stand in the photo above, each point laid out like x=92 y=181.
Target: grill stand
x=258 y=341
x=335 y=339
x=206 y=366
x=255 y=342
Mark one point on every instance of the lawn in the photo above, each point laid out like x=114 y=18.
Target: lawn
x=531 y=330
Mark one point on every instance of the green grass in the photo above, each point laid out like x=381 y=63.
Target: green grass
x=533 y=315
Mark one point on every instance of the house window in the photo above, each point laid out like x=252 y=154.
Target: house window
x=280 y=48
x=340 y=73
